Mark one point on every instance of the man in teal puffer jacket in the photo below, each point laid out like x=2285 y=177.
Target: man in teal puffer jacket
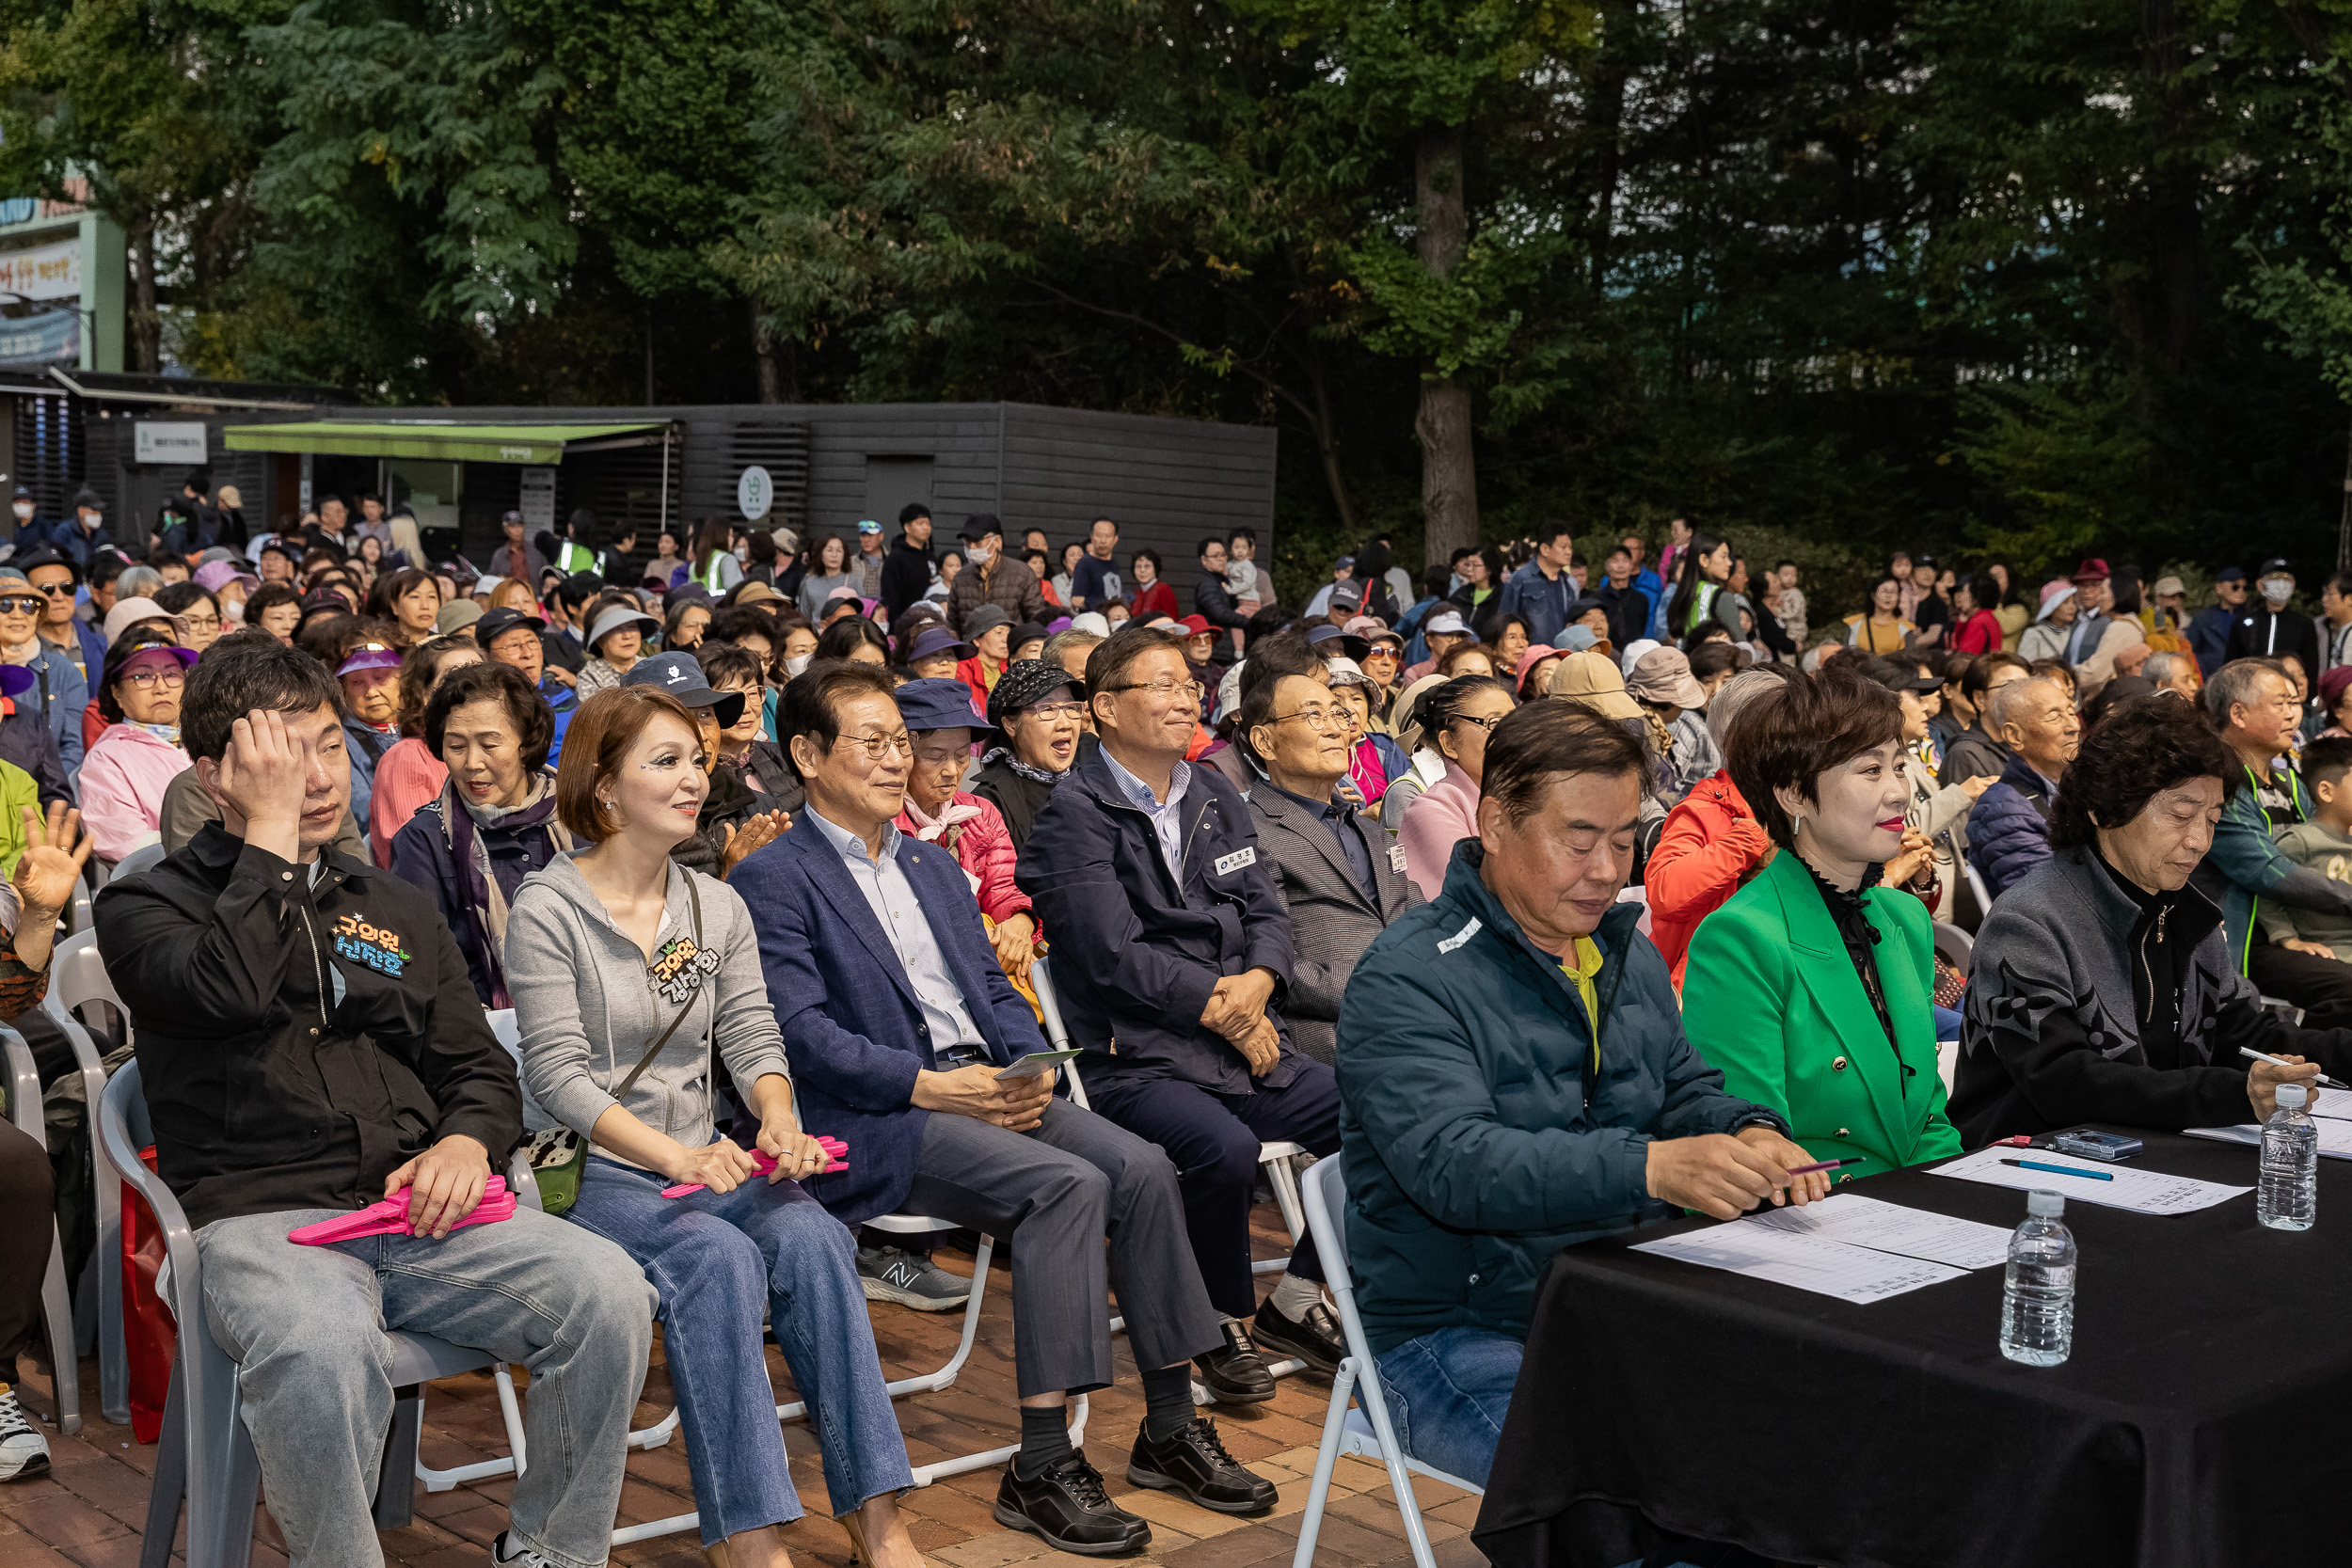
x=1481 y=1128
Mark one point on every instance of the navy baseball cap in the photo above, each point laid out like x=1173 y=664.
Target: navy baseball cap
x=681 y=676
x=1322 y=636
x=2231 y=573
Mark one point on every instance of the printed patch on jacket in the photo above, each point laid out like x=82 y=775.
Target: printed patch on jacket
x=679 y=970
x=379 y=949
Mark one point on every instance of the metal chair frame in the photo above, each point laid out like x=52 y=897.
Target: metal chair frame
x=56 y=1309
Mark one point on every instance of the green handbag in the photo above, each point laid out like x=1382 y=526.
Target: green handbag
x=559 y=1155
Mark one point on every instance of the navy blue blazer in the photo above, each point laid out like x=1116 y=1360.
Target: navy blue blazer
x=1137 y=952
x=853 y=1030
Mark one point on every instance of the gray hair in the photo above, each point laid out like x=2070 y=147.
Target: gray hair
x=2007 y=705
x=2161 y=668
x=1733 y=695
x=138 y=582
x=1067 y=638
x=2237 y=682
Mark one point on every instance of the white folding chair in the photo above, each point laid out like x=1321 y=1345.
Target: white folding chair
x=25 y=1109
x=206 y=1457
x=509 y=1033
x=1367 y=1433
x=1975 y=884
x=78 y=978
x=141 y=859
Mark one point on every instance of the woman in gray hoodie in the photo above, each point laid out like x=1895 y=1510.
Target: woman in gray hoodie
x=633 y=979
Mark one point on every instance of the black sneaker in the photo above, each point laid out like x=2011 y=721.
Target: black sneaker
x=1317 y=1340
x=1195 y=1463
x=910 y=1279
x=1065 y=1503
x=1235 y=1374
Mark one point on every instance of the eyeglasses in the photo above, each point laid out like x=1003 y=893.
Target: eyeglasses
x=877 y=745
x=150 y=677
x=1323 y=720
x=196 y=622
x=1054 y=710
x=23 y=603
x=1487 y=724
x=1166 y=689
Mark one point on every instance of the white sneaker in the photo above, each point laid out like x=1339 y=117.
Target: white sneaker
x=24 y=1452
x=521 y=1557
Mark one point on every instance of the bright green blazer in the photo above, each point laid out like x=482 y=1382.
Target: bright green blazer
x=1772 y=1002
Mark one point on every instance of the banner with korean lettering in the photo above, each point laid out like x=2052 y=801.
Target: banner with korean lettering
x=43 y=271
x=53 y=337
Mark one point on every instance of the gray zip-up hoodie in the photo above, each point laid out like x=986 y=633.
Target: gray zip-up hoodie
x=586 y=1004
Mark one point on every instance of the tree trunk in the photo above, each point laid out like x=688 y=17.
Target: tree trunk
x=1327 y=438
x=2344 y=526
x=764 y=345
x=1449 y=476
x=144 y=326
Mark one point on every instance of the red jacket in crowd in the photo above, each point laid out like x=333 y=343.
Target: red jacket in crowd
x=1711 y=844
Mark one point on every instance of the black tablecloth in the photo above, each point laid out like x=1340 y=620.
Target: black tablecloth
x=2205 y=1418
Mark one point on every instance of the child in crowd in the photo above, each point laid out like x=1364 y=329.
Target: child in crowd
x=1250 y=589
x=2322 y=843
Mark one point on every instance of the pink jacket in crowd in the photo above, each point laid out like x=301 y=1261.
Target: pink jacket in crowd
x=122 y=783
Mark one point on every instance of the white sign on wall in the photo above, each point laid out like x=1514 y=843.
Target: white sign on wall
x=43 y=271
x=753 y=492
x=169 y=442
x=538 y=502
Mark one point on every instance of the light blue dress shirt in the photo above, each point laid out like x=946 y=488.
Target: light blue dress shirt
x=903 y=920
x=1167 y=824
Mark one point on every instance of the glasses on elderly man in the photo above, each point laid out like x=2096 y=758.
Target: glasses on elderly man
x=876 y=746
x=1323 y=720
x=1164 y=689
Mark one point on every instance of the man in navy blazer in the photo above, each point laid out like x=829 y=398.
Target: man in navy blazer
x=1171 y=946
x=897 y=1020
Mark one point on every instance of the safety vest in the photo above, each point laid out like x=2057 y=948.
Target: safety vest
x=709 y=576
x=573 y=559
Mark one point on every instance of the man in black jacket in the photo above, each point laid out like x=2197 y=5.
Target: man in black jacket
x=308 y=1042
x=2271 y=629
x=1170 y=949
x=1209 y=600
x=906 y=577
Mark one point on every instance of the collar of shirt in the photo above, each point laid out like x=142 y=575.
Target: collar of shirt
x=1140 y=793
x=849 y=845
x=1326 y=810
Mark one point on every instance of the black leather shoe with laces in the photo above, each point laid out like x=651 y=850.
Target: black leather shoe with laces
x=1066 y=1504
x=1317 y=1340
x=1235 y=1374
x=1194 y=1461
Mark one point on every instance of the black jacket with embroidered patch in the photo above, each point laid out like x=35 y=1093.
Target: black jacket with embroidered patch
x=265 y=1091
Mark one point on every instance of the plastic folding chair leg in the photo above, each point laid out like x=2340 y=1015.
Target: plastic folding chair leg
x=57 y=1308
x=395 y=1476
x=168 y=1488
x=506 y=1464
x=1326 y=1460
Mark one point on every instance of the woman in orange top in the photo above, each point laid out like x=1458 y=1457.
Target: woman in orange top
x=1711 y=843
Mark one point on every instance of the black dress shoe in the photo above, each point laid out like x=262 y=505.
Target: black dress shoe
x=1317 y=1340
x=1066 y=1504
x=1195 y=1463
x=1235 y=1374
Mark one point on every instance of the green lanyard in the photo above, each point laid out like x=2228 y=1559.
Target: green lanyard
x=2294 y=793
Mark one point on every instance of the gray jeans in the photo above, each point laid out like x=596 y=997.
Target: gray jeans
x=316 y=1381
x=1054 y=1192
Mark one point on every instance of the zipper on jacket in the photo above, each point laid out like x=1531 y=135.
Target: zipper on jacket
x=318 y=970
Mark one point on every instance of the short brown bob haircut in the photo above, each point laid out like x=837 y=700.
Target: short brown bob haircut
x=533 y=722
x=602 y=731
x=1786 y=739
x=1539 y=742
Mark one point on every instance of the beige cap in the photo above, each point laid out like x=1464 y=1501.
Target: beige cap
x=2167 y=587
x=1593 y=679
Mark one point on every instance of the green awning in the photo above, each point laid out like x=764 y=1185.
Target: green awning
x=448 y=440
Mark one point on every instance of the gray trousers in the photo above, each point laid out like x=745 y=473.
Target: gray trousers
x=314 y=1372
x=1054 y=1192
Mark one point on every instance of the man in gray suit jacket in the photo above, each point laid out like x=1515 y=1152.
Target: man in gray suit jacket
x=1340 y=876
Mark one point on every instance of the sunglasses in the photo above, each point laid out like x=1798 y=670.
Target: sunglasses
x=23 y=603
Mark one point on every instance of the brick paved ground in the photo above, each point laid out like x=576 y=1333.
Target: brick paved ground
x=90 y=1509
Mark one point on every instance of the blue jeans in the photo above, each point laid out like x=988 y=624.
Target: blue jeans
x=718 y=1261
x=1447 y=1393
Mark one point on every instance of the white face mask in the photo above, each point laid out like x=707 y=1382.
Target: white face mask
x=796 y=663
x=2278 y=591
x=93 y=520
x=24 y=509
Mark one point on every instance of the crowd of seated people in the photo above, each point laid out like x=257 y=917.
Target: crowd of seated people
x=1348 y=882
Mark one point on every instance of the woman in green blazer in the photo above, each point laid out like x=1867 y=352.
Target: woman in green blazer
x=1811 y=988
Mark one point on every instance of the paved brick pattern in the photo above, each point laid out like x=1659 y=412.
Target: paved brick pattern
x=90 y=1509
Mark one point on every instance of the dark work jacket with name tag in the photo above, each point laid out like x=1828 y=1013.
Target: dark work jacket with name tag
x=1136 y=951
x=268 y=1092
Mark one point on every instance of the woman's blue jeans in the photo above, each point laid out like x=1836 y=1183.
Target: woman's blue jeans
x=719 y=1262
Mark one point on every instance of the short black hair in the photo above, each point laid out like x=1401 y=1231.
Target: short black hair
x=106 y=566
x=2145 y=746
x=1212 y=543
x=841 y=639
x=913 y=509
x=723 y=660
x=1286 y=653
x=2328 y=759
x=1981 y=670
x=245 y=672
x=1112 y=657
x=533 y=721
x=1554 y=528
x=1786 y=739
x=810 y=703
x=1538 y=742
x=1233 y=534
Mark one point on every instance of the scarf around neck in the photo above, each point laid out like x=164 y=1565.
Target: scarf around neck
x=1035 y=775
x=462 y=823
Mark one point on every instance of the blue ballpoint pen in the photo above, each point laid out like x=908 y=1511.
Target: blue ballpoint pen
x=2062 y=1170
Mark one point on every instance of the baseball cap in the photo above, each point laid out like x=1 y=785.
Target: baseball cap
x=1322 y=639
x=369 y=655
x=1446 y=623
x=939 y=703
x=1899 y=676
x=2229 y=573
x=456 y=615
x=510 y=520
x=867 y=525
x=2274 y=565
x=1593 y=679
x=496 y=624
x=1350 y=594
x=681 y=676
x=2166 y=587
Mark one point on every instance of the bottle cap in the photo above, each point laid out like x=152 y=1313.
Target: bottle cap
x=2041 y=1205
x=2291 y=1097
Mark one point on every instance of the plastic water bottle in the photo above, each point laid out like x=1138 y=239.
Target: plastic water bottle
x=2288 y=1195
x=2038 y=1298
